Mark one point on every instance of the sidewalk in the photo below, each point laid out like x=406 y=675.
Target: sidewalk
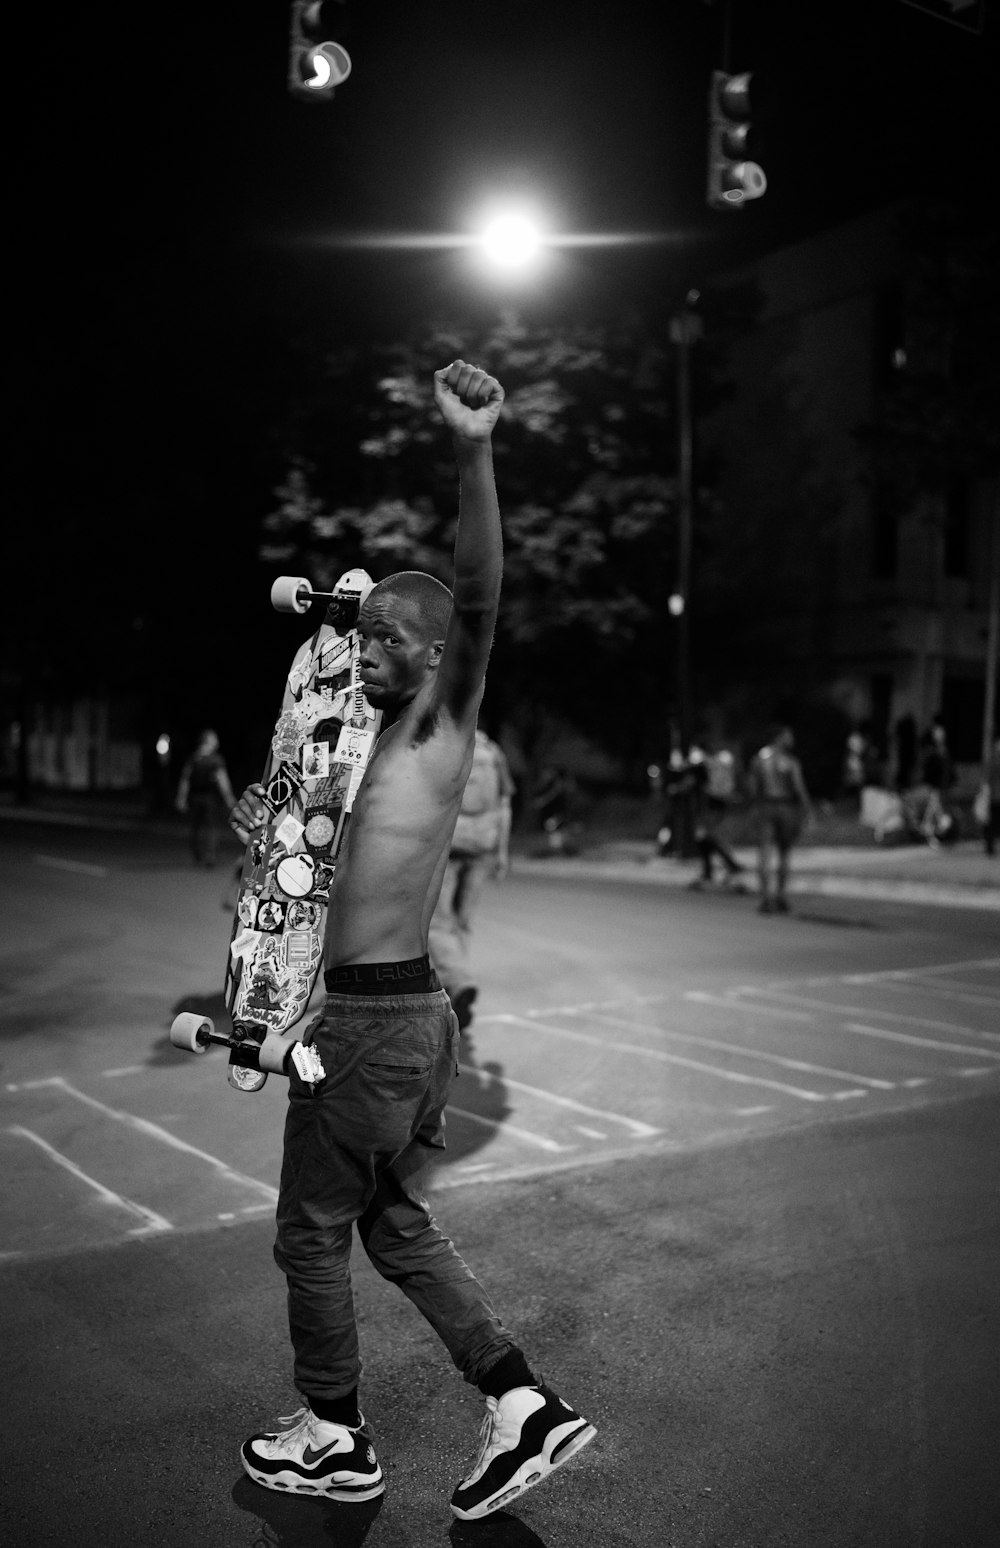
x=957 y=876
x=960 y=876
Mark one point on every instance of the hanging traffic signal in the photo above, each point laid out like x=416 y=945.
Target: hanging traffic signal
x=732 y=178
x=317 y=64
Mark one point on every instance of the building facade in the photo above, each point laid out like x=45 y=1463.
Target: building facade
x=882 y=606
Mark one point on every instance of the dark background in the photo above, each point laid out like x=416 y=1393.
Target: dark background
x=175 y=216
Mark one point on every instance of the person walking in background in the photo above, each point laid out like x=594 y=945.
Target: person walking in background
x=781 y=805
x=206 y=796
x=937 y=776
x=713 y=794
x=551 y=801
x=480 y=851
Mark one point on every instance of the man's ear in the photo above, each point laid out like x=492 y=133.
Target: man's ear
x=434 y=654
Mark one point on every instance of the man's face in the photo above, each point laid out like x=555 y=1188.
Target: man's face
x=396 y=655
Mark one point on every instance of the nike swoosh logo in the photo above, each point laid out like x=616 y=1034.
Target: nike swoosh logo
x=311 y=1457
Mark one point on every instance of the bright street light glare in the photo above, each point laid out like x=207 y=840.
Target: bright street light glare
x=322 y=71
x=512 y=241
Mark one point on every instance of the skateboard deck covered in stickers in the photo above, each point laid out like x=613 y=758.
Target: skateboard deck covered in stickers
x=319 y=752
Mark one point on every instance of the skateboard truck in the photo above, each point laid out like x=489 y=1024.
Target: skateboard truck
x=254 y=1052
x=294 y=594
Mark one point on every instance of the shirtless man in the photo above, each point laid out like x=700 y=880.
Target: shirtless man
x=357 y=1142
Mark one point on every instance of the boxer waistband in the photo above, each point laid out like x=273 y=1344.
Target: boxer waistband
x=415 y=976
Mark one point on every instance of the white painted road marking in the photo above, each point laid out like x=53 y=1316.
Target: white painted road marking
x=918 y=1042
x=644 y=1130
x=753 y=1053
x=661 y=1056
x=152 y=1131
x=151 y=1220
x=864 y=1010
x=541 y=1140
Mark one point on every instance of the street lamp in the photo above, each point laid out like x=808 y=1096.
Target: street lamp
x=511 y=240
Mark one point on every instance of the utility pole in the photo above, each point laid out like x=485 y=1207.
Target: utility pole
x=685 y=330
x=992 y=636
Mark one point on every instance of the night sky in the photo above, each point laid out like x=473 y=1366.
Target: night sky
x=175 y=216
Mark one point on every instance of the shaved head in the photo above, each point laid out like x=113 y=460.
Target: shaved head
x=428 y=600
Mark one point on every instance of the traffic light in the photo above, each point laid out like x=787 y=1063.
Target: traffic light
x=732 y=179
x=317 y=64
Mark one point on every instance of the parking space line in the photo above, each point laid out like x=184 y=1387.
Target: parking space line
x=540 y=1140
x=732 y=1001
x=864 y=1010
x=945 y=991
x=643 y=1130
x=152 y=1131
x=151 y=1220
x=663 y=1057
x=802 y=1065
x=874 y=977
x=918 y=1042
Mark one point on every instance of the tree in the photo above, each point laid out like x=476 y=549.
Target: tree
x=586 y=481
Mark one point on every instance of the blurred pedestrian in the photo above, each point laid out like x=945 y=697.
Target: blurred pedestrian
x=206 y=796
x=551 y=801
x=937 y=772
x=714 y=792
x=480 y=851
x=781 y=806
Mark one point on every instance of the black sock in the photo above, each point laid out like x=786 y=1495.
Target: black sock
x=342 y=1410
x=511 y=1370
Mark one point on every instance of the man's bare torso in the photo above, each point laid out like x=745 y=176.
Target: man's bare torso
x=389 y=873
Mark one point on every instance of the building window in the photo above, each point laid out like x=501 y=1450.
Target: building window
x=956 y=529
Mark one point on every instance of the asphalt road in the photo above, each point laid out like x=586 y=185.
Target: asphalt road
x=733 y=1180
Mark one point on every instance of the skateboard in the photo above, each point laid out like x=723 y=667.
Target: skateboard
x=322 y=741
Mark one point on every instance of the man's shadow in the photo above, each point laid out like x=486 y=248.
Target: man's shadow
x=297 y=1522
x=478 y=1090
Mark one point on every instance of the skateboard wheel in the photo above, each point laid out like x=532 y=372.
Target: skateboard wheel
x=274 y=1051
x=191 y=1032
x=354 y=583
x=287 y=594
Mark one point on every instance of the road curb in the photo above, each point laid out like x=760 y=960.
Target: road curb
x=878 y=889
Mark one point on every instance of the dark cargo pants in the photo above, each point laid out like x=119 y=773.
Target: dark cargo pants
x=355 y=1149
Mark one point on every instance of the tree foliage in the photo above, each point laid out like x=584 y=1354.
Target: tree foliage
x=585 y=474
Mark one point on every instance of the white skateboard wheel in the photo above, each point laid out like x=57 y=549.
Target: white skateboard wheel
x=191 y=1032
x=287 y=594
x=354 y=583
x=274 y=1051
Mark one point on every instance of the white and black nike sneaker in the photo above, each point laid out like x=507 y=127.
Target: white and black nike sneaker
x=315 y=1457
x=525 y=1434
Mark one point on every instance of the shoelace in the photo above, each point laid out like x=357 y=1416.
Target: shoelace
x=489 y=1435
x=301 y=1420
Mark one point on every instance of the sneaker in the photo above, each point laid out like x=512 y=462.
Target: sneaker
x=525 y=1434
x=462 y=1005
x=315 y=1457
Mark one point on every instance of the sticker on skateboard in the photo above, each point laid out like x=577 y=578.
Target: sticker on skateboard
x=320 y=749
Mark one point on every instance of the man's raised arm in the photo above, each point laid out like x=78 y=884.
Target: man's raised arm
x=470 y=402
